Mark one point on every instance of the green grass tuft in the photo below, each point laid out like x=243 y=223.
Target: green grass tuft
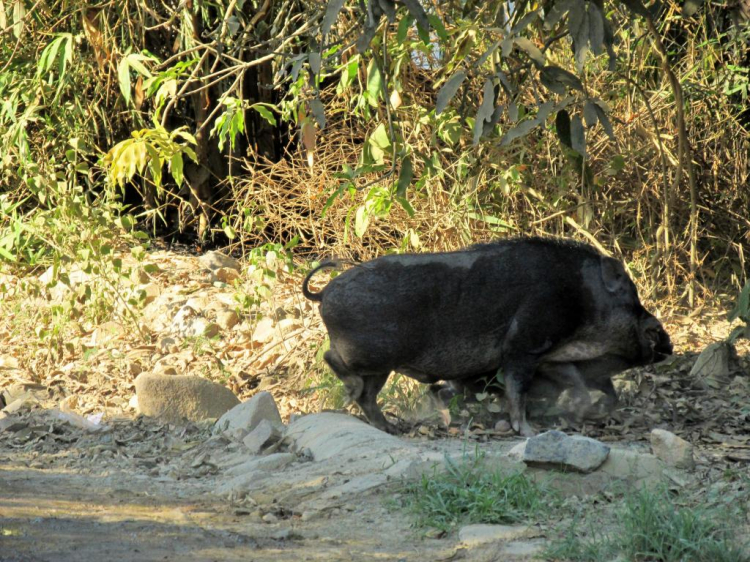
x=470 y=492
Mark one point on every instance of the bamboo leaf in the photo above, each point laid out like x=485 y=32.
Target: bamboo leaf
x=123 y=78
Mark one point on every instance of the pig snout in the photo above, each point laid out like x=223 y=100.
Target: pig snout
x=657 y=343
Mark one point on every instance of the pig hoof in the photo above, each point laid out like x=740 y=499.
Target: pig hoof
x=386 y=426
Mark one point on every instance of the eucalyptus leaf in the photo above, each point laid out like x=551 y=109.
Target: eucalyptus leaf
x=314 y=60
x=332 y=12
x=556 y=12
x=525 y=21
x=562 y=126
x=589 y=114
x=690 y=7
x=389 y=8
x=604 y=120
x=520 y=130
x=484 y=113
x=577 y=136
x=404 y=177
x=535 y=54
x=416 y=10
x=596 y=28
x=562 y=76
x=318 y=111
x=449 y=90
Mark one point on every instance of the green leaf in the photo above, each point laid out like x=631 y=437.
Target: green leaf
x=361 y=221
x=403 y=28
x=380 y=137
x=230 y=232
x=265 y=113
x=374 y=81
x=404 y=177
x=742 y=308
x=437 y=25
x=175 y=167
x=449 y=89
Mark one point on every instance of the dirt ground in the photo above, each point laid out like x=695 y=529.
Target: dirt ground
x=143 y=490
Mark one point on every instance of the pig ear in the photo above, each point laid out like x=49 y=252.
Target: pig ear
x=614 y=276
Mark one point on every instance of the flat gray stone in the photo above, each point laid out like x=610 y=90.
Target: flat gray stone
x=328 y=435
x=526 y=549
x=177 y=398
x=557 y=450
x=673 y=450
x=244 y=418
x=472 y=535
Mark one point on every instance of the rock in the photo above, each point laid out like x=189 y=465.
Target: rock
x=133 y=402
x=217 y=260
x=503 y=426
x=245 y=417
x=329 y=435
x=472 y=535
x=633 y=466
x=263 y=435
x=25 y=402
x=518 y=451
x=227 y=319
x=555 y=449
x=270 y=518
x=673 y=450
x=150 y=292
x=264 y=331
x=711 y=368
x=167 y=345
x=227 y=274
x=183 y=320
x=187 y=322
x=175 y=398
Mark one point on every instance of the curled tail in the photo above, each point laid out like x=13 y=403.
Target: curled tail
x=327 y=264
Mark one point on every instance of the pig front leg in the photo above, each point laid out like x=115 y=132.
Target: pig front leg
x=363 y=390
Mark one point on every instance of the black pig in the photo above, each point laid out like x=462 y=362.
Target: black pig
x=514 y=305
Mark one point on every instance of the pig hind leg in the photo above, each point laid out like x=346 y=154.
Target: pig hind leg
x=517 y=378
x=362 y=390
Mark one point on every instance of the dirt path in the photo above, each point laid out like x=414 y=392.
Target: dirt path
x=58 y=515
